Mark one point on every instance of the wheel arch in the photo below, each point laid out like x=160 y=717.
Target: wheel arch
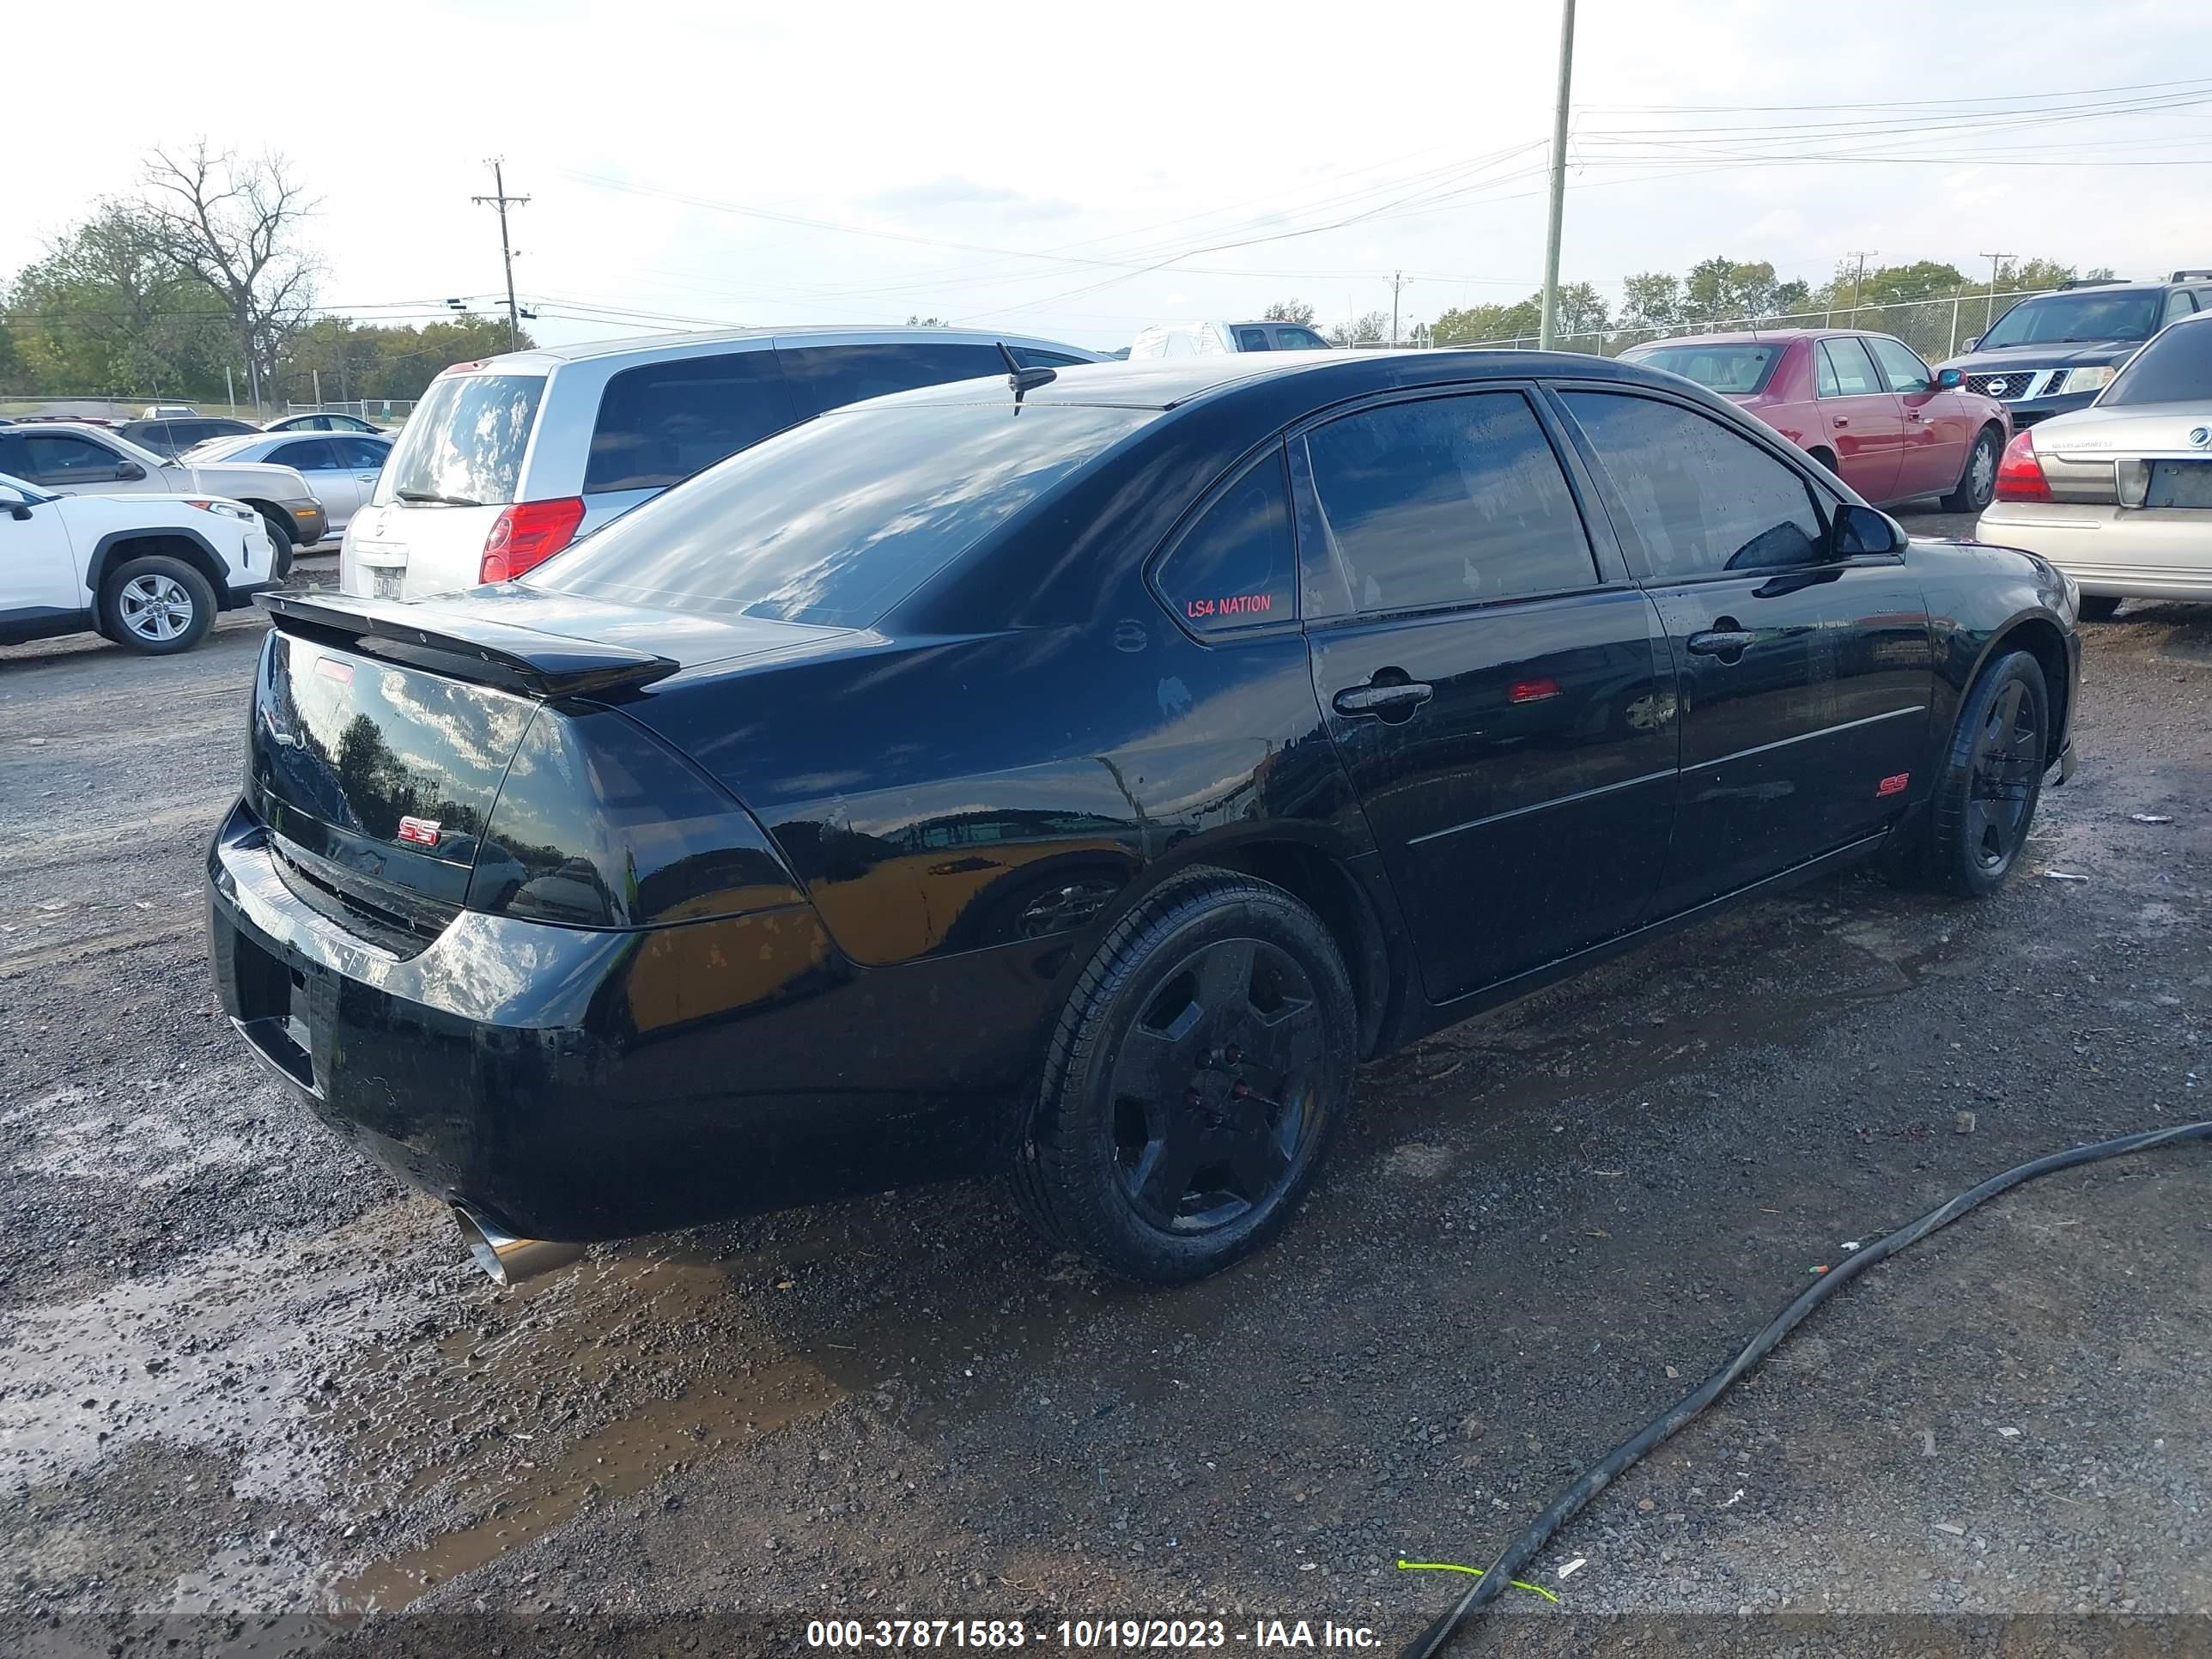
x=119 y=547
x=2042 y=638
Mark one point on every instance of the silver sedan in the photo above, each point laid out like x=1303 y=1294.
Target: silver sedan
x=340 y=467
x=2119 y=495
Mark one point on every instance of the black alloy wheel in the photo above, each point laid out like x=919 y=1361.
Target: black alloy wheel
x=1202 y=1065
x=1993 y=777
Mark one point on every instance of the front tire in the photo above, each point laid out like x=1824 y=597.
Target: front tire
x=1985 y=800
x=1201 y=1070
x=1977 y=480
x=157 y=605
x=281 y=542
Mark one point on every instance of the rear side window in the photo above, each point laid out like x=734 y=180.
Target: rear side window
x=660 y=423
x=1252 y=339
x=1299 y=339
x=830 y=377
x=2174 y=368
x=466 y=439
x=1236 y=566
x=1699 y=498
x=1846 y=371
x=2178 y=304
x=1450 y=501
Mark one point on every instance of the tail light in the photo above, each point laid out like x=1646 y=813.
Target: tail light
x=526 y=534
x=2019 y=474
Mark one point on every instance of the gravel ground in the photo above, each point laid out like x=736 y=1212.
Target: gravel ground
x=252 y=1391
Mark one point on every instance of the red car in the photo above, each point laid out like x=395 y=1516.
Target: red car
x=1863 y=405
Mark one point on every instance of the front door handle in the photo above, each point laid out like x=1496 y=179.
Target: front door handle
x=1387 y=700
x=1726 y=643
x=1840 y=420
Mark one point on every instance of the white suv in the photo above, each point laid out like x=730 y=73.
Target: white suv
x=506 y=461
x=148 y=571
x=63 y=459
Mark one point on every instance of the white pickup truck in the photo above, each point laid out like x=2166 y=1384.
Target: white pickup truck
x=149 y=572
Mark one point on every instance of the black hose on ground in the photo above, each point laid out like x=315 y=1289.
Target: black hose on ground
x=1523 y=1547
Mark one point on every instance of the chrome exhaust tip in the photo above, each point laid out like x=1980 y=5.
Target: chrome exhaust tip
x=508 y=1259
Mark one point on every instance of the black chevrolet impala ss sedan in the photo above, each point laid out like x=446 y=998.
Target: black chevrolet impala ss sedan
x=1079 y=775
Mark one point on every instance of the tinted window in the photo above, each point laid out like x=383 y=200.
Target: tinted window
x=2089 y=315
x=360 y=454
x=1252 y=339
x=2178 y=304
x=466 y=439
x=1741 y=368
x=154 y=434
x=1032 y=357
x=829 y=377
x=1299 y=339
x=662 y=421
x=65 y=458
x=308 y=455
x=837 y=520
x=2175 y=367
x=1846 y=371
x=1699 y=498
x=1237 y=568
x=1450 y=501
x=1900 y=365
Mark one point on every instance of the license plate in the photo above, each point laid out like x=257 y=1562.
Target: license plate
x=2179 y=484
x=385 y=583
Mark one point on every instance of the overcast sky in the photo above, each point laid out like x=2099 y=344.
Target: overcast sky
x=1019 y=166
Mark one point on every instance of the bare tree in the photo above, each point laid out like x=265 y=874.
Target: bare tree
x=1289 y=310
x=234 y=226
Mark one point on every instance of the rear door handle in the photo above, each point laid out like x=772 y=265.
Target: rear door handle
x=1726 y=643
x=1840 y=420
x=1385 y=701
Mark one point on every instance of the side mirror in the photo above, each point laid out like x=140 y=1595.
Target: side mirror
x=1948 y=379
x=1860 y=530
x=1972 y=340
x=13 y=500
x=129 y=473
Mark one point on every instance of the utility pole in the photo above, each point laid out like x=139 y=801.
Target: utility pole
x=502 y=201
x=1558 y=176
x=1989 y=309
x=1398 y=280
x=1858 y=279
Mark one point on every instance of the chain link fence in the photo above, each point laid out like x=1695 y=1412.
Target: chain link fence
x=1936 y=329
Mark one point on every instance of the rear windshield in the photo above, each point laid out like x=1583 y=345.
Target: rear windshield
x=836 y=521
x=464 y=442
x=2176 y=367
x=1740 y=368
x=2059 y=318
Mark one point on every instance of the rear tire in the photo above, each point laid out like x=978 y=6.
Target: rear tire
x=1984 y=802
x=2100 y=607
x=157 y=606
x=1977 y=479
x=1199 y=1072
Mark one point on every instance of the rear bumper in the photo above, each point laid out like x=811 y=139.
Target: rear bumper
x=2116 y=551
x=573 y=1084
x=310 y=523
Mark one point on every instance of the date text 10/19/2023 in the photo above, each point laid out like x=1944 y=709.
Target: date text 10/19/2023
x=1086 y=1635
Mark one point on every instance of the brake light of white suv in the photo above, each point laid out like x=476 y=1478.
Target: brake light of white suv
x=526 y=534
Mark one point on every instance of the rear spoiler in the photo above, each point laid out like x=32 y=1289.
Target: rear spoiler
x=470 y=647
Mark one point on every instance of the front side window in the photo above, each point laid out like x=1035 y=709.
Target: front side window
x=660 y=423
x=830 y=377
x=361 y=454
x=1236 y=566
x=1846 y=371
x=309 y=455
x=1700 y=500
x=64 y=457
x=1900 y=364
x=1448 y=501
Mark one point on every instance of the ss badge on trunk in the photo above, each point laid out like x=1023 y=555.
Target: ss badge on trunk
x=420 y=832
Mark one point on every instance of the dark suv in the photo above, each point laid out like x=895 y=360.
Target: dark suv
x=2052 y=354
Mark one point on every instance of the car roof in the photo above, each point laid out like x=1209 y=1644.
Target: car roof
x=1164 y=383
x=650 y=345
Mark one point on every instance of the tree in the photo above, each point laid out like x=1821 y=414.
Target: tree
x=1372 y=329
x=1651 y=300
x=1582 y=310
x=1724 y=290
x=912 y=321
x=377 y=362
x=104 y=312
x=1923 y=279
x=1473 y=324
x=1289 y=310
x=235 y=228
